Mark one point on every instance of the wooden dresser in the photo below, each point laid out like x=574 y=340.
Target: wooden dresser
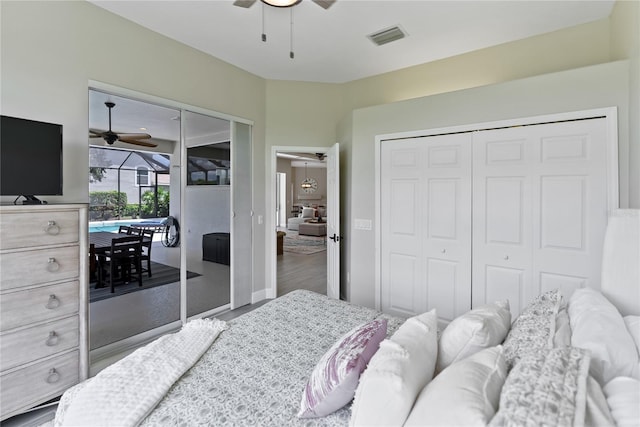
x=43 y=303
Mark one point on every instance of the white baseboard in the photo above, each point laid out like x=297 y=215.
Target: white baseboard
x=258 y=296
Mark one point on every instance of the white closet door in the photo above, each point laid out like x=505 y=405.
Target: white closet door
x=426 y=225
x=540 y=210
x=502 y=213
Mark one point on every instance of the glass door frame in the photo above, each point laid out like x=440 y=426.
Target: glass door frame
x=236 y=123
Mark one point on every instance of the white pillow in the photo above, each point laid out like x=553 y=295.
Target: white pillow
x=402 y=366
x=597 y=412
x=633 y=326
x=623 y=397
x=465 y=394
x=597 y=326
x=308 y=213
x=480 y=328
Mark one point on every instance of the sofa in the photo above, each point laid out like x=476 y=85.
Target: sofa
x=304 y=216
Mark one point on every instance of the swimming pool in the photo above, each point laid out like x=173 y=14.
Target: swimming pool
x=114 y=225
x=110 y=228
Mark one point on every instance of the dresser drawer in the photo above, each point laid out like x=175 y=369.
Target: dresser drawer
x=28 y=229
x=39 y=266
x=38 y=304
x=17 y=348
x=38 y=383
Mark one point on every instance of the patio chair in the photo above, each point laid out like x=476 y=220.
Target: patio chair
x=147 y=241
x=118 y=263
x=125 y=229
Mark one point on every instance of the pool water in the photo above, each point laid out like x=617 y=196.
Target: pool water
x=110 y=228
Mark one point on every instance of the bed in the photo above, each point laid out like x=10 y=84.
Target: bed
x=305 y=359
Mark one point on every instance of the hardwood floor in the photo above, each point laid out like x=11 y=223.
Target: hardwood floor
x=297 y=271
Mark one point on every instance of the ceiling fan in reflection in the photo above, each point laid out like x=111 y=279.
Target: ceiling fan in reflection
x=129 y=138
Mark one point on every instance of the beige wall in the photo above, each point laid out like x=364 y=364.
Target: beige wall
x=51 y=50
x=625 y=44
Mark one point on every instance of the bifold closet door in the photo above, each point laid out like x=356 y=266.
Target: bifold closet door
x=539 y=210
x=426 y=225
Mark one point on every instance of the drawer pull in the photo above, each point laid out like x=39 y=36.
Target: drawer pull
x=53 y=339
x=53 y=376
x=53 y=265
x=52 y=228
x=53 y=302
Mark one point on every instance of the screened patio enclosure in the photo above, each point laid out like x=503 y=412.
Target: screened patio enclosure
x=128 y=184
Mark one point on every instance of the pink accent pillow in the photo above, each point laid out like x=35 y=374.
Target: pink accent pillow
x=334 y=380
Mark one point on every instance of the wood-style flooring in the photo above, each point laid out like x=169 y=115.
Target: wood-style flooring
x=296 y=271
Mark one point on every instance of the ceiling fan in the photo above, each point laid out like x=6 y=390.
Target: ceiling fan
x=325 y=4
x=130 y=138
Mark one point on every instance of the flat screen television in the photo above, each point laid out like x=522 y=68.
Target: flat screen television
x=30 y=158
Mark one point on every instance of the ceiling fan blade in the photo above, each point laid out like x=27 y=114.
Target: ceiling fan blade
x=325 y=4
x=134 y=136
x=137 y=142
x=244 y=3
x=95 y=136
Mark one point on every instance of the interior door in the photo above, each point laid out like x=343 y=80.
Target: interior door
x=540 y=210
x=333 y=221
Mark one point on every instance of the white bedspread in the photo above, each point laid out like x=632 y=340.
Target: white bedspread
x=126 y=392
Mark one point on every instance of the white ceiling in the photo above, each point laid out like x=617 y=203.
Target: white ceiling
x=332 y=45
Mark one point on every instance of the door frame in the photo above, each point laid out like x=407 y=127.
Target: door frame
x=272 y=289
x=610 y=114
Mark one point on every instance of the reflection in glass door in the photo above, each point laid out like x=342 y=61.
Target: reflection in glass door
x=207 y=212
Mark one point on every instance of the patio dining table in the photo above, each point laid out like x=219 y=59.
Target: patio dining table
x=99 y=242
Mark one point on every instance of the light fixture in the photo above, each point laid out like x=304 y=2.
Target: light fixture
x=306 y=183
x=281 y=3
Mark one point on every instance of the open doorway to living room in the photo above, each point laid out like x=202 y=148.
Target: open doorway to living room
x=301 y=212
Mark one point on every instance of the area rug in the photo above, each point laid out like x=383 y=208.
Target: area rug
x=305 y=245
x=161 y=275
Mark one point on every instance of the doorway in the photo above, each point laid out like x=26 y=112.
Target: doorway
x=307 y=258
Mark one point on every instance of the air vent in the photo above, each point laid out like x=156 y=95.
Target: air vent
x=387 y=35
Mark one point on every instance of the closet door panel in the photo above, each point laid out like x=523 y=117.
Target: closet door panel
x=447 y=239
x=426 y=225
x=501 y=217
x=504 y=211
x=402 y=293
x=570 y=197
x=504 y=283
x=445 y=295
x=559 y=207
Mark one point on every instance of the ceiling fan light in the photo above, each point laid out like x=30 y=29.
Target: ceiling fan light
x=281 y=3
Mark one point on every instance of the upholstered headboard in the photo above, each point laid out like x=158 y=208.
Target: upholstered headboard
x=621 y=261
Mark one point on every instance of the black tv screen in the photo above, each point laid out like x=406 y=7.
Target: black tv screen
x=30 y=158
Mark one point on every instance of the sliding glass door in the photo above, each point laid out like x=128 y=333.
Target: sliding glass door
x=189 y=182
x=207 y=212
